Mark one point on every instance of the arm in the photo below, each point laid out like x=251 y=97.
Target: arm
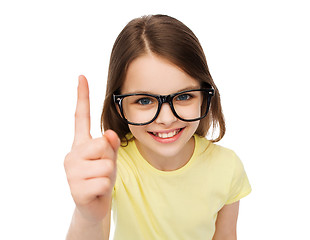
x=226 y=223
x=81 y=229
x=91 y=173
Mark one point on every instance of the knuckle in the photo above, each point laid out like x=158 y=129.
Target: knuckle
x=83 y=150
x=103 y=142
x=80 y=191
x=100 y=147
x=90 y=146
x=74 y=189
x=105 y=185
x=67 y=161
x=71 y=177
x=73 y=170
x=109 y=167
x=76 y=194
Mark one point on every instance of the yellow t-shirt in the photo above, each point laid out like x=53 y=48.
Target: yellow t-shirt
x=182 y=204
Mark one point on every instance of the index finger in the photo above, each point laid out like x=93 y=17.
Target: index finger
x=82 y=112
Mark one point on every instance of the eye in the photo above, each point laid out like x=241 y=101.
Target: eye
x=144 y=101
x=183 y=97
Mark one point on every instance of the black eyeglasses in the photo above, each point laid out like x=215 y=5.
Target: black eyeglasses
x=141 y=109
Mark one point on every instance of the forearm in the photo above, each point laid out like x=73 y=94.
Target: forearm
x=81 y=229
x=226 y=222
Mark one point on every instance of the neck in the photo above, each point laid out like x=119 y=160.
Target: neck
x=168 y=163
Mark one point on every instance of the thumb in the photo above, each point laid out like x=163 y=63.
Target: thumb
x=113 y=139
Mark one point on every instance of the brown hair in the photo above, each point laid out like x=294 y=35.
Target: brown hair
x=168 y=38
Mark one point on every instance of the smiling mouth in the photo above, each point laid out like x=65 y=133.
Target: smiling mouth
x=167 y=134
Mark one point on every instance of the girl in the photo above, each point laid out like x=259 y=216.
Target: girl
x=171 y=182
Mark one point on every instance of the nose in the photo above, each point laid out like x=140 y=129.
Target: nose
x=165 y=115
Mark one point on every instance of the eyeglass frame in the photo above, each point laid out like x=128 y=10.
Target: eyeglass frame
x=118 y=98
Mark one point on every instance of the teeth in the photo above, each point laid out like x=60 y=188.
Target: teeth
x=167 y=135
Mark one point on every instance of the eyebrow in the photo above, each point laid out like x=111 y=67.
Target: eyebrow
x=152 y=93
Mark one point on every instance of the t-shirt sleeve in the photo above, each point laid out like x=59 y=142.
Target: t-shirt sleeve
x=240 y=186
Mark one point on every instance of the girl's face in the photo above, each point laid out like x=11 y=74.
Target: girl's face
x=167 y=137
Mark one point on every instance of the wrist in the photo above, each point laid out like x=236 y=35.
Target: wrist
x=82 y=228
x=83 y=220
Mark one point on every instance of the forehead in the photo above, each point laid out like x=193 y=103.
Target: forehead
x=150 y=73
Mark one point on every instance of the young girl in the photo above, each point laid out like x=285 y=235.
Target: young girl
x=154 y=167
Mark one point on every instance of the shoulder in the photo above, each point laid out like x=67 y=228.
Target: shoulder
x=226 y=169
x=215 y=152
x=225 y=156
x=220 y=160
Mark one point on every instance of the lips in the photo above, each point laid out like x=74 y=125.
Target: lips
x=166 y=134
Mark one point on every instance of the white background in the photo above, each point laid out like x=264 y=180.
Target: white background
x=258 y=54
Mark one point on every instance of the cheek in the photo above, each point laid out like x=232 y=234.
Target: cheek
x=136 y=130
x=194 y=126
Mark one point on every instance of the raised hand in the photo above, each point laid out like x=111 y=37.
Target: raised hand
x=91 y=164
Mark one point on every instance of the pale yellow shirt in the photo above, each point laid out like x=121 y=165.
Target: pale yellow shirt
x=149 y=204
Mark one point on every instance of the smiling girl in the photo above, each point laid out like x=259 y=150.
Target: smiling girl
x=154 y=167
